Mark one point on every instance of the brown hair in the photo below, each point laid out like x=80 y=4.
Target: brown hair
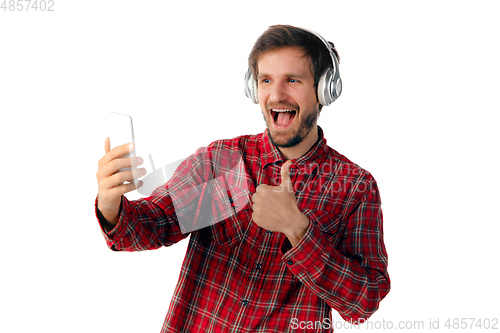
x=278 y=36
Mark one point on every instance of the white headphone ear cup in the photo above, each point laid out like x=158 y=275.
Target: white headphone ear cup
x=322 y=99
x=328 y=89
x=255 y=97
x=251 y=87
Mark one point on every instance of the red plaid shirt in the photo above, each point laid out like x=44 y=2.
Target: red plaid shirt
x=238 y=277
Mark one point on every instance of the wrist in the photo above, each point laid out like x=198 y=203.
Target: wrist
x=110 y=213
x=107 y=224
x=111 y=217
x=297 y=229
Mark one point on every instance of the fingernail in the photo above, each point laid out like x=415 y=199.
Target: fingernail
x=131 y=147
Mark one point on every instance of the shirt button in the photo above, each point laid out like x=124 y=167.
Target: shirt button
x=269 y=232
x=259 y=266
x=245 y=302
x=289 y=262
x=230 y=200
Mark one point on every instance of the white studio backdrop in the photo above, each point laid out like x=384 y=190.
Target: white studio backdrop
x=419 y=111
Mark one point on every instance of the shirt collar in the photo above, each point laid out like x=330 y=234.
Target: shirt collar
x=270 y=154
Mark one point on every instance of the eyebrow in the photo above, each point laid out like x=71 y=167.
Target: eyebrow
x=298 y=76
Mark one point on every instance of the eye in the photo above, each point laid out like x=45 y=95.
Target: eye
x=293 y=81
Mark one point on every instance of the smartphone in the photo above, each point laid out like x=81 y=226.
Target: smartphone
x=121 y=131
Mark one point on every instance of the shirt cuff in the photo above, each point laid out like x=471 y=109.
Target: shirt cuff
x=306 y=252
x=109 y=232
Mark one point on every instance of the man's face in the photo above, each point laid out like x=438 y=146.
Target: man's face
x=287 y=95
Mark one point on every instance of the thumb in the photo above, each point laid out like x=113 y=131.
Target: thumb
x=285 y=176
x=106 y=145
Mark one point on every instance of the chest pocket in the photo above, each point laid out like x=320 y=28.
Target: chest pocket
x=327 y=222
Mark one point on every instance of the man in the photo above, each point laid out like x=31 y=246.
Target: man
x=311 y=238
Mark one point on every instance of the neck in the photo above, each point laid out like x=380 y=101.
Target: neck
x=303 y=147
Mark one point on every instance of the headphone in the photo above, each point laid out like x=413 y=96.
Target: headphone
x=329 y=85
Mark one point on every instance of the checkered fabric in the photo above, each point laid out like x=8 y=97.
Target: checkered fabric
x=238 y=277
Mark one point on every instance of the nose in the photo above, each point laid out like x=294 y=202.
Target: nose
x=278 y=92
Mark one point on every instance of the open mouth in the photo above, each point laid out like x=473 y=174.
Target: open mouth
x=283 y=117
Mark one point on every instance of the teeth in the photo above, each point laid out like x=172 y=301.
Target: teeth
x=282 y=110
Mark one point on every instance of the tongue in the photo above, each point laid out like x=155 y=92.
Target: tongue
x=284 y=118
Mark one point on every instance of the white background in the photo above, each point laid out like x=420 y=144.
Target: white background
x=419 y=111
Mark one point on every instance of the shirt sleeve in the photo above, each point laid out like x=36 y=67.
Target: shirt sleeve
x=142 y=225
x=197 y=196
x=343 y=259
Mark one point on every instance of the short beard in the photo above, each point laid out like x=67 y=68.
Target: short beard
x=303 y=131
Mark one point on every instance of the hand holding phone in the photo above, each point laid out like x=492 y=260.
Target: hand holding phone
x=117 y=168
x=121 y=131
